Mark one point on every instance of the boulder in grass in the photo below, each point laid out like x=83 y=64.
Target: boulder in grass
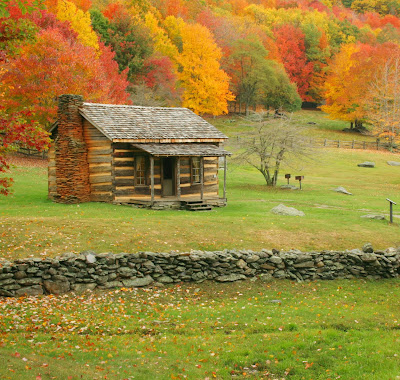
x=342 y=190
x=393 y=163
x=289 y=187
x=284 y=210
x=367 y=164
x=373 y=216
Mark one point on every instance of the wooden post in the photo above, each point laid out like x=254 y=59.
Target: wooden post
x=225 y=166
x=325 y=142
x=377 y=144
x=364 y=145
x=152 y=178
x=178 y=177
x=338 y=143
x=202 y=177
x=352 y=144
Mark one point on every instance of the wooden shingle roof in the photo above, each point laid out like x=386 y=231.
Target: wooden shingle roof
x=205 y=150
x=121 y=122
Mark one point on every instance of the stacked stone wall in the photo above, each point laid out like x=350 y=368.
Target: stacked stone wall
x=71 y=163
x=88 y=270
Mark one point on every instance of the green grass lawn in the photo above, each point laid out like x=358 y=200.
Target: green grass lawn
x=31 y=225
x=278 y=330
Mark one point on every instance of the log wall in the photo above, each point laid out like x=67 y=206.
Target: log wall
x=100 y=164
x=210 y=186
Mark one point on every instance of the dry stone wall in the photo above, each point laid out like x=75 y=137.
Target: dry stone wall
x=88 y=270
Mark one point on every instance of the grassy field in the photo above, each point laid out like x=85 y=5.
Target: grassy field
x=31 y=225
x=279 y=330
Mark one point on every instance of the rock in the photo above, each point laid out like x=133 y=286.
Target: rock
x=305 y=264
x=113 y=284
x=369 y=257
x=125 y=272
x=266 y=277
x=241 y=264
x=6 y=293
x=90 y=258
x=80 y=288
x=138 y=282
x=284 y=210
x=303 y=257
x=393 y=163
x=373 y=216
x=35 y=290
x=342 y=190
x=267 y=267
x=230 y=277
x=30 y=281
x=367 y=164
x=68 y=255
x=53 y=287
x=289 y=187
x=252 y=259
x=275 y=259
x=165 y=279
x=367 y=248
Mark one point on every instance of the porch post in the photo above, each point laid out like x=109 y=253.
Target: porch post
x=202 y=177
x=152 y=178
x=178 y=177
x=225 y=166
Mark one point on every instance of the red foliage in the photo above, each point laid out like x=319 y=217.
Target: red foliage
x=115 y=11
x=114 y=83
x=290 y=42
x=19 y=128
x=160 y=74
x=54 y=65
x=376 y=21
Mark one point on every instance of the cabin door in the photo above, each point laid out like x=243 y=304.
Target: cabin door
x=168 y=176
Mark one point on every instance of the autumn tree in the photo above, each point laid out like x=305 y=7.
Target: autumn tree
x=258 y=80
x=383 y=101
x=206 y=85
x=290 y=42
x=54 y=65
x=129 y=39
x=80 y=22
x=351 y=72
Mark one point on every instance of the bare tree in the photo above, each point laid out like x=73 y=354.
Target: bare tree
x=383 y=105
x=269 y=143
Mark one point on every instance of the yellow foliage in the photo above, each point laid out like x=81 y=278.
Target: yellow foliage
x=80 y=22
x=340 y=93
x=162 y=42
x=206 y=84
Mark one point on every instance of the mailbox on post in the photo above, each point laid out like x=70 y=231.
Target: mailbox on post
x=299 y=178
x=287 y=176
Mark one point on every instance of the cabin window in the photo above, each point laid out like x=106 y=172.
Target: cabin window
x=140 y=172
x=196 y=178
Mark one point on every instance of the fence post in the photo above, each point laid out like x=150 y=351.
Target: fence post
x=338 y=143
x=377 y=144
x=325 y=142
x=364 y=145
x=352 y=144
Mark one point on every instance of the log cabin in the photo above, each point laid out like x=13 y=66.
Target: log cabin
x=157 y=157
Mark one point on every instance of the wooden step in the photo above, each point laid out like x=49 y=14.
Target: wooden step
x=198 y=206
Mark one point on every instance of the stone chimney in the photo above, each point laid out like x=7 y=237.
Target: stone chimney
x=71 y=156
